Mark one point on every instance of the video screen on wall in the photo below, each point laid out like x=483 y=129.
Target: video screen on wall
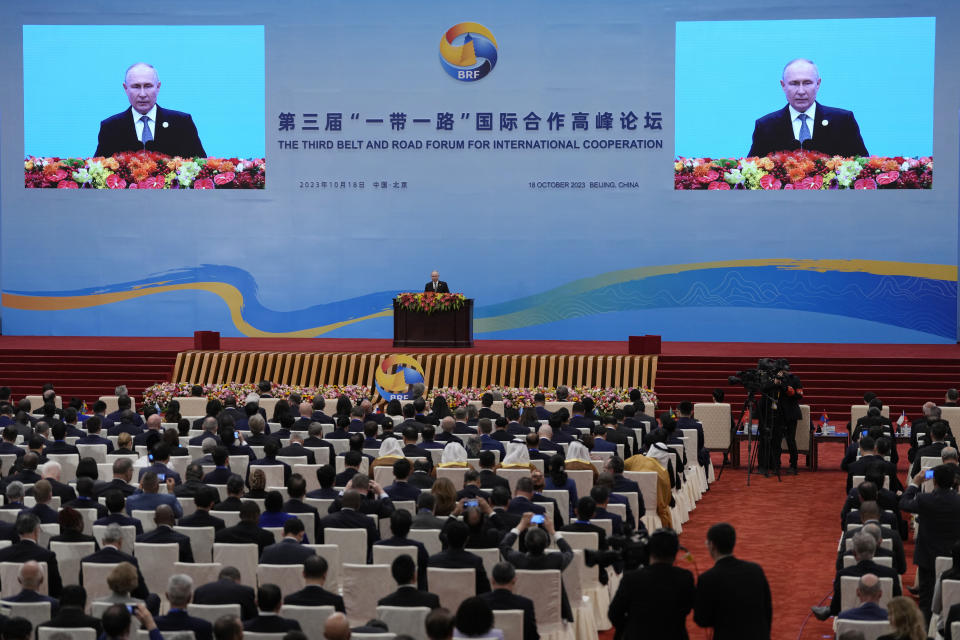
x=146 y=119
x=844 y=104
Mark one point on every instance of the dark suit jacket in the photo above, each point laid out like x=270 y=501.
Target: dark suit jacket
x=103 y=488
x=410 y=596
x=159 y=468
x=72 y=618
x=179 y=620
x=554 y=560
x=939 y=526
x=293 y=450
x=653 y=602
x=33 y=596
x=866 y=611
x=228 y=592
x=859 y=468
x=245 y=533
x=165 y=535
x=441 y=287
x=422 y=556
x=857 y=570
x=504 y=600
x=350 y=519
x=287 y=551
x=460 y=559
x=315 y=596
x=733 y=597
x=87 y=503
x=270 y=624
x=402 y=491
x=489 y=479
x=121 y=520
x=112 y=555
x=841 y=135
x=179 y=138
x=201 y=518
x=25 y=550
x=220 y=475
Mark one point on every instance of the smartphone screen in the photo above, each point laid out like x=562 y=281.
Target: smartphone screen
x=162 y=477
x=929 y=474
x=537 y=519
x=236 y=435
x=471 y=503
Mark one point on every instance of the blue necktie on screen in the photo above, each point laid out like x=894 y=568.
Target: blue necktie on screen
x=804 y=130
x=147 y=134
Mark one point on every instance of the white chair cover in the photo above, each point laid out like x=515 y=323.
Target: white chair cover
x=510 y=621
x=385 y=554
x=9 y=585
x=96 y=451
x=81 y=633
x=949 y=594
x=352 y=543
x=201 y=541
x=311 y=619
x=363 y=586
x=201 y=572
x=429 y=537
x=68 y=559
x=458 y=585
x=330 y=553
x=647 y=481
x=512 y=475
x=212 y=612
x=143 y=634
x=230 y=518
x=250 y=635
x=272 y=472
x=156 y=563
x=128 y=531
x=454 y=474
x=562 y=496
x=543 y=587
x=242 y=556
x=583 y=479
x=408 y=620
x=145 y=516
x=870 y=629
x=35 y=612
x=584 y=622
x=288 y=577
x=490 y=557
x=68 y=466
x=95 y=579
x=848 y=592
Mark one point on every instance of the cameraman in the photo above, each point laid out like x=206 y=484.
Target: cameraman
x=787 y=413
x=653 y=601
x=778 y=408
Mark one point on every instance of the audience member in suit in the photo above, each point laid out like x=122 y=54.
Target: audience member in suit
x=193 y=482
x=209 y=426
x=869 y=458
x=486 y=404
x=601 y=495
x=488 y=476
x=14 y=494
x=375 y=499
x=161 y=456
x=43 y=493
x=400 y=523
x=268 y=618
x=481 y=536
x=84 y=497
x=247 y=531
x=654 y=601
x=205 y=499
x=939 y=526
x=341 y=430
x=471 y=487
x=326 y=476
x=487 y=441
x=122 y=475
x=407 y=594
x=351 y=467
x=421 y=478
x=870 y=490
x=228 y=590
x=151 y=435
x=350 y=517
x=9 y=442
x=179 y=593
x=234 y=499
x=30 y=577
x=539 y=400
x=585 y=510
x=222 y=473
x=733 y=596
x=26 y=549
x=313 y=594
x=295 y=449
x=401 y=489
x=26 y=474
x=73 y=603
x=164 y=533
x=71 y=528
x=455 y=557
x=523 y=499
x=296 y=490
x=425 y=518
x=150 y=499
x=868 y=592
x=111 y=553
x=938 y=434
x=870 y=522
x=290 y=550
x=115 y=505
x=536 y=540
x=124 y=405
x=538 y=481
x=504 y=598
x=864 y=547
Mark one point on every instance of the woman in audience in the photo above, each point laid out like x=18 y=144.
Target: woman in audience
x=172 y=413
x=390 y=452
x=578 y=459
x=556 y=478
x=171 y=436
x=124 y=445
x=122 y=580
x=71 y=528
x=258 y=484
x=282 y=408
x=394 y=409
x=473 y=415
x=518 y=457
x=529 y=419
x=475 y=620
x=906 y=620
x=445 y=496
x=273 y=514
x=454 y=456
x=183 y=427
x=588 y=407
x=87 y=468
x=439 y=411
x=344 y=407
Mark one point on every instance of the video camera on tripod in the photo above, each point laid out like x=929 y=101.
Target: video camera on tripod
x=767 y=377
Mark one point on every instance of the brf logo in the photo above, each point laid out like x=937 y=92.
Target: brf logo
x=468 y=51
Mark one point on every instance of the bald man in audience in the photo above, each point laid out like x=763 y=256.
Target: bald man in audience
x=165 y=520
x=337 y=627
x=869 y=592
x=228 y=627
x=864 y=547
x=870 y=517
x=30 y=578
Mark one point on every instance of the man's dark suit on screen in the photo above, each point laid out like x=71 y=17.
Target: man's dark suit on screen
x=440 y=288
x=839 y=136
x=174 y=134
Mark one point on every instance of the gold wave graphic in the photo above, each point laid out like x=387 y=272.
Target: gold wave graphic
x=234 y=298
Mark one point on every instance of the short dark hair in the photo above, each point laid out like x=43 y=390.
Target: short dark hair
x=227 y=627
x=439 y=624
x=943 y=476
x=268 y=597
x=401 y=468
x=234 y=484
x=326 y=476
x=293 y=525
x=249 y=510
x=18 y=629
x=503 y=573
x=352 y=458
x=115 y=620
x=586 y=507
x=487 y=459
x=474 y=617
x=457 y=534
x=664 y=544
x=296 y=486
x=400 y=522
x=220 y=455
x=403 y=569
x=73 y=595
x=524 y=484
x=315 y=566
x=723 y=536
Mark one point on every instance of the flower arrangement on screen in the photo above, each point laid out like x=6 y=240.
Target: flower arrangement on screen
x=429 y=302
x=808 y=170
x=606 y=399
x=143 y=170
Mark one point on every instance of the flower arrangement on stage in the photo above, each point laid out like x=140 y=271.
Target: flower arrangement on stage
x=143 y=170
x=429 y=302
x=809 y=170
x=606 y=399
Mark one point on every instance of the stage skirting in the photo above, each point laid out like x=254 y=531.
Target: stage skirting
x=440 y=369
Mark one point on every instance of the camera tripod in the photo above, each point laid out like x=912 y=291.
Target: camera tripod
x=764 y=433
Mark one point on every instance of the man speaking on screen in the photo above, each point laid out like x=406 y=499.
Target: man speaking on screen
x=804 y=123
x=146 y=125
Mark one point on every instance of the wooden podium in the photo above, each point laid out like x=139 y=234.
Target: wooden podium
x=438 y=329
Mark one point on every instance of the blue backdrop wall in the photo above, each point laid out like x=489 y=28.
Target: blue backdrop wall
x=544 y=190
